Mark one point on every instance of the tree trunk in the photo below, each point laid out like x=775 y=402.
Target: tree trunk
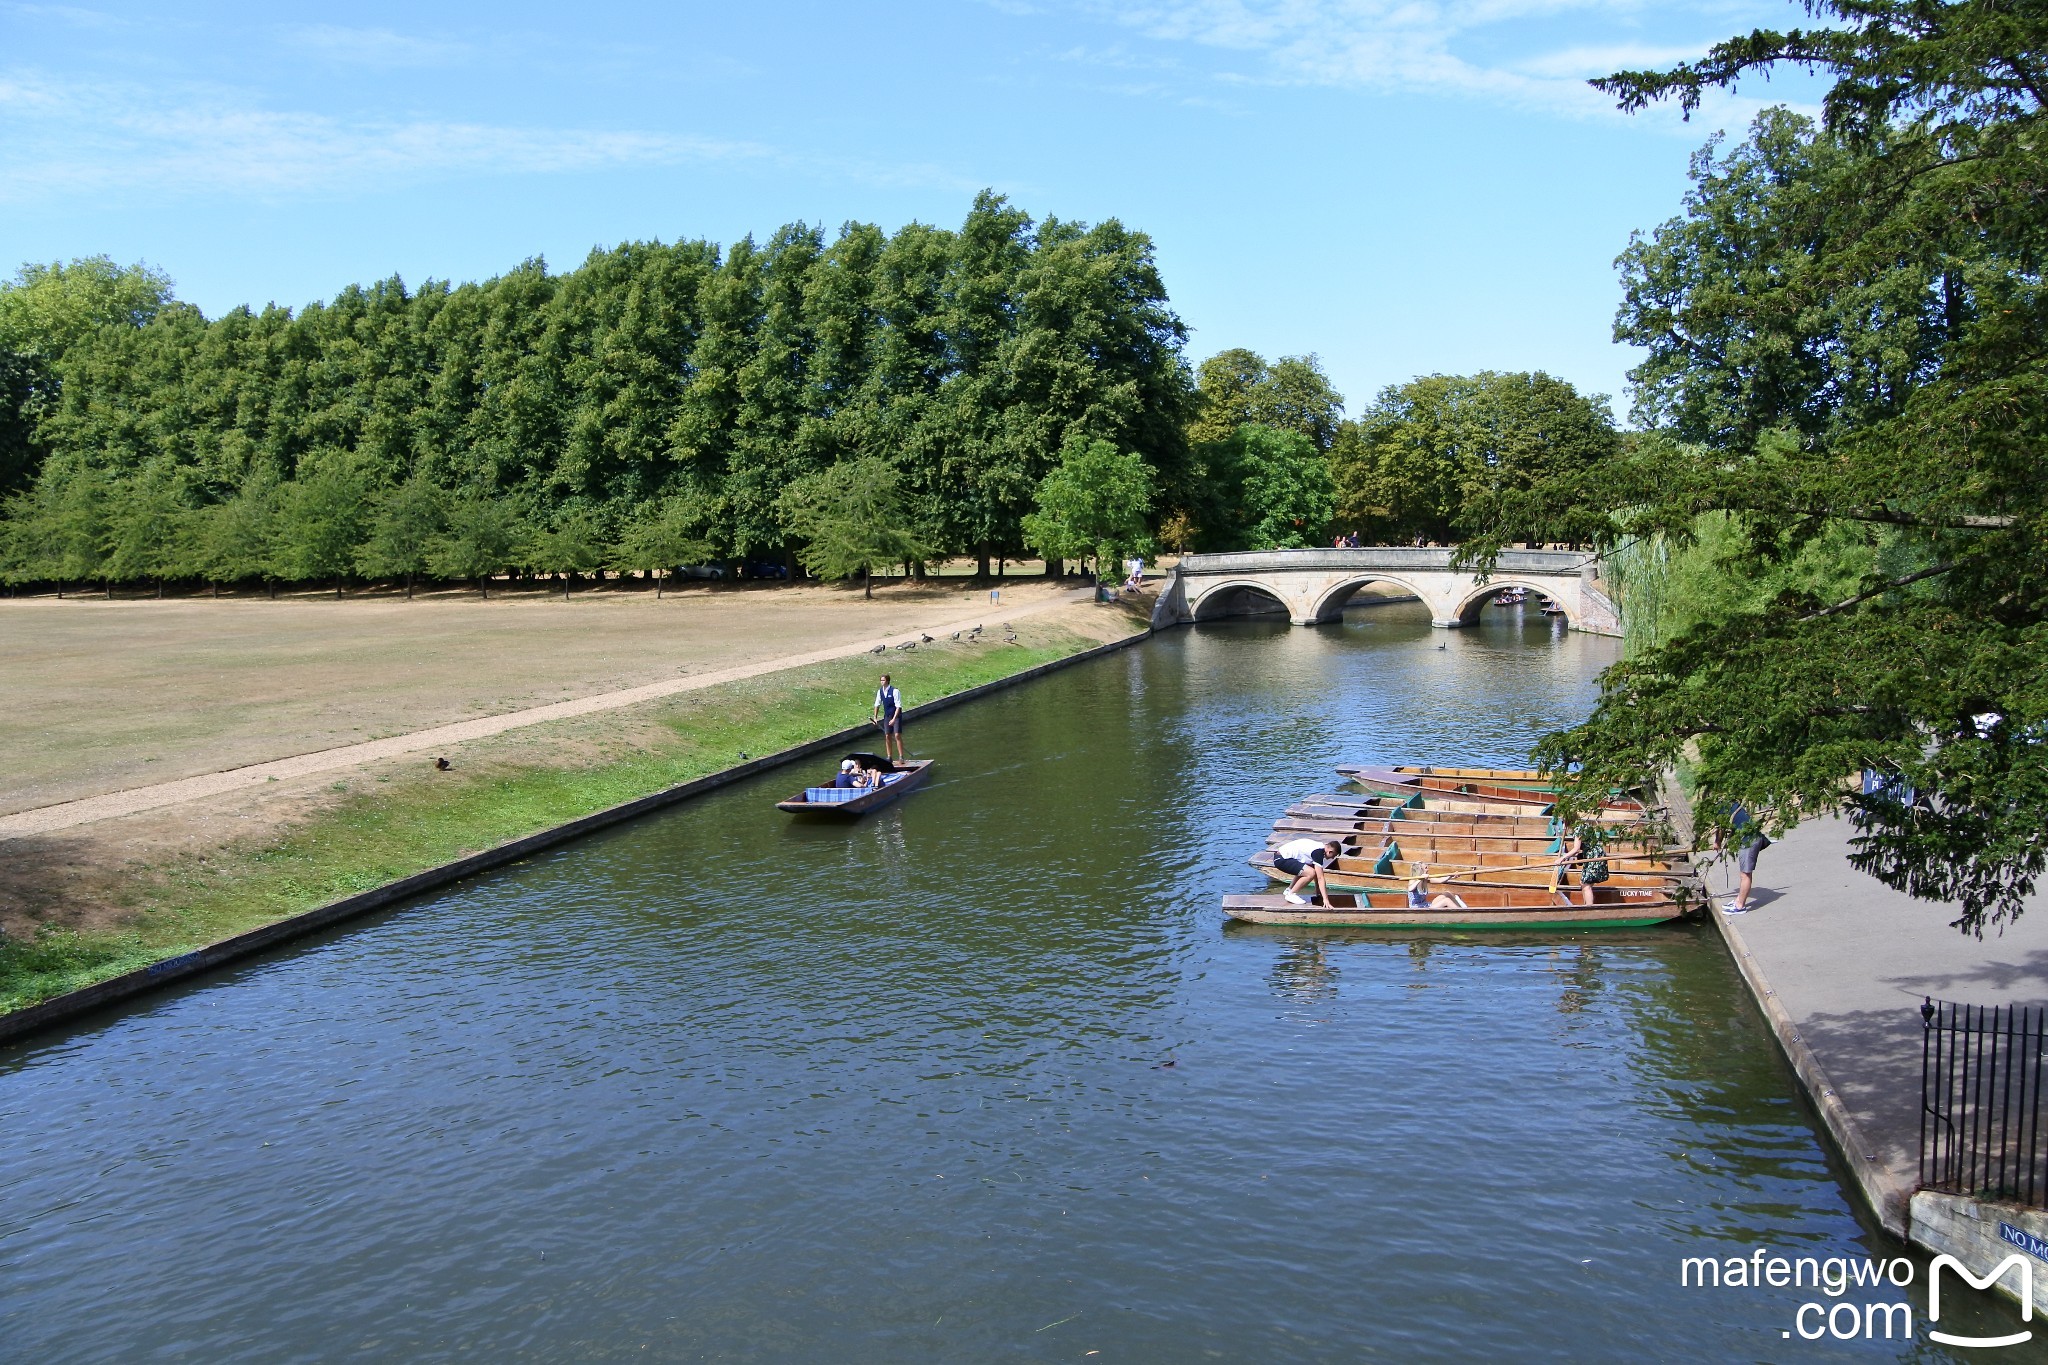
x=1002 y=563
x=657 y=583
x=110 y=589
x=483 y=585
x=337 y=587
x=1055 y=568
x=273 y=588
x=159 y=590
x=867 y=582
x=981 y=560
x=408 y=585
x=216 y=591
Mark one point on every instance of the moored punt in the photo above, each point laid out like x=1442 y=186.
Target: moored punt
x=1528 y=779
x=1389 y=808
x=1500 y=777
x=1391 y=782
x=1370 y=838
x=1484 y=908
x=1388 y=870
x=850 y=803
x=1331 y=808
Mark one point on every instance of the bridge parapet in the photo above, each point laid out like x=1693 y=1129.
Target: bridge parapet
x=1312 y=585
x=1401 y=557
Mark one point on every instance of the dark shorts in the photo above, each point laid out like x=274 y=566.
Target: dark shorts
x=893 y=722
x=1294 y=867
x=1745 y=857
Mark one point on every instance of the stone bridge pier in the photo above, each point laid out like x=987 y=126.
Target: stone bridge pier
x=1312 y=586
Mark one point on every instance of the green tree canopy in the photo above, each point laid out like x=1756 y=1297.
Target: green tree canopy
x=963 y=357
x=1238 y=388
x=1093 y=504
x=853 y=519
x=1845 y=325
x=1264 y=489
x=1426 y=451
x=321 y=521
x=402 y=531
x=663 y=535
x=482 y=536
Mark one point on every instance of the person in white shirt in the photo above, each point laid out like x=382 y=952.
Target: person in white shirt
x=888 y=713
x=1305 y=859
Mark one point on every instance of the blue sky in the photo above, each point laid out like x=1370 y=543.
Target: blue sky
x=1399 y=186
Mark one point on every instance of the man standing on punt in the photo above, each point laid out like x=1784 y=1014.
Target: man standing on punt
x=888 y=713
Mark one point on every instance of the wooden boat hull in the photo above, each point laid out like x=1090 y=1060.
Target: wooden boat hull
x=1401 y=813
x=1360 y=912
x=1394 y=874
x=1361 y=841
x=1526 y=779
x=914 y=771
x=1455 y=822
x=1485 y=795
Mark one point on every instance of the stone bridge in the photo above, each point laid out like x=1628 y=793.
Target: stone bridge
x=1312 y=586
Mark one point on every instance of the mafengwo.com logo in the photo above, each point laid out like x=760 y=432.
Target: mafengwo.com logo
x=1842 y=1314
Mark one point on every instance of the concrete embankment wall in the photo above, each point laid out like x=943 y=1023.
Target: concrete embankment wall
x=1877 y=1150
x=63 y=1009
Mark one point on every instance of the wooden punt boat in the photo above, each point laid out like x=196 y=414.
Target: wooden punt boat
x=1389 y=782
x=1485 y=908
x=1372 y=838
x=1390 y=871
x=1524 y=778
x=1332 y=808
x=827 y=802
x=1389 y=808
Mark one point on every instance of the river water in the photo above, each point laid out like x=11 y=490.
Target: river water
x=983 y=1077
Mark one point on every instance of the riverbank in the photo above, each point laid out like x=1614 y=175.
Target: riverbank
x=121 y=894
x=1840 y=964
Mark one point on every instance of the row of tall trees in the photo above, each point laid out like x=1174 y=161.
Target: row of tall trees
x=659 y=403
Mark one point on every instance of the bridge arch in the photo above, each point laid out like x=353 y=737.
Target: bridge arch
x=1330 y=606
x=1474 y=602
x=1237 y=597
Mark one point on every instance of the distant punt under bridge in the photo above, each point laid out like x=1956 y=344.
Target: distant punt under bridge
x=1313 y=586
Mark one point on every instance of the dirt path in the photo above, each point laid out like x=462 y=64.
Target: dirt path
x=61 y=815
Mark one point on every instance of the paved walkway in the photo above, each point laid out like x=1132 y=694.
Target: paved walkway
x=1849 y=961
x=65 y=814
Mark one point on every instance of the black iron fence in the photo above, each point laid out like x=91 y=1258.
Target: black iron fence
x=1981 y=1069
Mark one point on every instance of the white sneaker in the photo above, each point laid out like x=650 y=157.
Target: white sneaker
x=1293 y=899
x=1729 y=907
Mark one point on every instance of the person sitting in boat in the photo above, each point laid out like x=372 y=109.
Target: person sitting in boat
x=1419 y=897
x=849 y=774
x=1304 y=859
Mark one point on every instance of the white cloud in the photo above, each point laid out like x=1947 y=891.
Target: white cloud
x=375 y=47
x=1488 y=49
x=73 y=138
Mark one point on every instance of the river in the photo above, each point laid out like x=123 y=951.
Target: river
x=985 y=1076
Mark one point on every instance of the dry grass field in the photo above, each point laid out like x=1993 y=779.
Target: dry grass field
x=103 y=696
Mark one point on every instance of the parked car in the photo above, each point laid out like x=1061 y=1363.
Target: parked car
x=765 y=569
x=700 y=571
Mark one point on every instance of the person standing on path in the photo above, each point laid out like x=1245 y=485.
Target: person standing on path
x=888 y=713
x=1752 y=841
